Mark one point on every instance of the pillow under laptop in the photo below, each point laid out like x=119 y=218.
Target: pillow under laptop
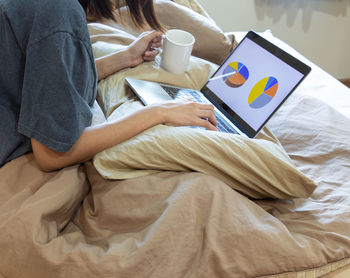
x=258 y=168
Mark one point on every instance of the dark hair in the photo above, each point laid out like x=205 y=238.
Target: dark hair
x=142 y=11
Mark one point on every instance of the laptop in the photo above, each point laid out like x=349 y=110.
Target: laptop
x=246 y=90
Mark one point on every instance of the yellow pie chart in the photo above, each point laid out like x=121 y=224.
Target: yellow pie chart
x=263 y=92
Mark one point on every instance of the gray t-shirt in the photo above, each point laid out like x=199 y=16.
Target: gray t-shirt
x=48 y=78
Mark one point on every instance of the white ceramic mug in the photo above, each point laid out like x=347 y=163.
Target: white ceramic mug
x=177 y=49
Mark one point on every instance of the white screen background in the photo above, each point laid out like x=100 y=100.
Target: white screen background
x=260 y=64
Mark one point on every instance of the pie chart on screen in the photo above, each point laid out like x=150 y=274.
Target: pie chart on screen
x=235 y=74
x=263 y=92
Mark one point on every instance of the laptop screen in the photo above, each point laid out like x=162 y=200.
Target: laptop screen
x=254 y=81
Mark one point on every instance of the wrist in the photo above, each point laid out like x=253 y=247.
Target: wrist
x=128 y=57
x=159 y=114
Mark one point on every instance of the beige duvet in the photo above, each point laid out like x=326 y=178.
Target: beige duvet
x=74 y=223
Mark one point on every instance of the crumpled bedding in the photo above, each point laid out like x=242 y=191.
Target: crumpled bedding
x=74 y=223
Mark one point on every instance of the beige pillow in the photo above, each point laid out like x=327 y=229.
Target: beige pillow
x=258 y=168
x=112 y=91
x=212 y=43
x=193 y=5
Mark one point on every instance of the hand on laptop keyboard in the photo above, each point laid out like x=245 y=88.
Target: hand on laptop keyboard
x=191 y=95
x=184 y=113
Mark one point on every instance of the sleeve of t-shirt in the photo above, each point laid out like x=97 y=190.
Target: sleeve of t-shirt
x=59 y=88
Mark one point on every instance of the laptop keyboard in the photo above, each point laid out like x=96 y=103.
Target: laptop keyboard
x=177 y=93
x=222 y=124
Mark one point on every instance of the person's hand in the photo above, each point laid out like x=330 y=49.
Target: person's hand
x=186 y=113
x=144 y=48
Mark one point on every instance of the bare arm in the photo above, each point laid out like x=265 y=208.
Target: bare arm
x=142 y=49
x=95 y=139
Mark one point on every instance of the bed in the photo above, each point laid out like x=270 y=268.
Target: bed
x=136 y=212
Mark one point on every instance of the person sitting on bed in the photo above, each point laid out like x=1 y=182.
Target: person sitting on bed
x=48 y=82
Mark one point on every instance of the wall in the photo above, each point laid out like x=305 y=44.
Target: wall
x=319 y=29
